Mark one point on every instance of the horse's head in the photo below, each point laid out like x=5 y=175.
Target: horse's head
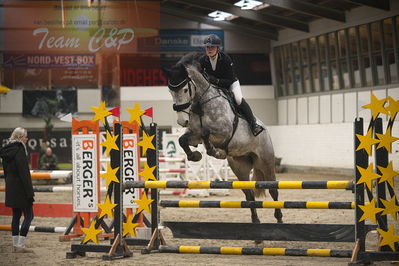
x=182 y=92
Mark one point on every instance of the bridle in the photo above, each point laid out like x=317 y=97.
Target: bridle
x=191 y=85
x=176 y=87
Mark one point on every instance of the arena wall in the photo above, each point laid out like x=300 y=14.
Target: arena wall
x=261 y=98
x=327 y=147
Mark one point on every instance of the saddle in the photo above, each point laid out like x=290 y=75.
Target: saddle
x=229 y=96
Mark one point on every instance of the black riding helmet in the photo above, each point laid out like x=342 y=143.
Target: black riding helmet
x=212 y=40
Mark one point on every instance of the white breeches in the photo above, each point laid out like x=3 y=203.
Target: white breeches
x=236 y=89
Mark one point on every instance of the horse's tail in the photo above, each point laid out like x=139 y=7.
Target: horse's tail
x=259 y=176
x=260 y=193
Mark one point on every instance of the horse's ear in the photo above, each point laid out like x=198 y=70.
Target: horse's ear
x=167 y=72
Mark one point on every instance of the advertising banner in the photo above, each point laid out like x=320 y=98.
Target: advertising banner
x=78 y=26
x=141 y=70
x=171 y=146
x=65 y=61
x=130 y=169
x=84 y=156
x=75 y=78
x=59 y=141
x=186 y=40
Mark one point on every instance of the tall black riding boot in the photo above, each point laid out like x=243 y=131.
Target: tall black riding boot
x=249 y=116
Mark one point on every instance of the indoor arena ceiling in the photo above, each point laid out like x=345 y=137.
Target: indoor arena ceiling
x=266 y=22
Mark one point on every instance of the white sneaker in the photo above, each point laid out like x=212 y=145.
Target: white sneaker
x=15 y=240
x=21 y=248
x=21 y=241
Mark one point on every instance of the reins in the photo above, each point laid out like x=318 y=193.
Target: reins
x=196 y=107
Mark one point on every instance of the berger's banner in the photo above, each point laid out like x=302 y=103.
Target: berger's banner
x=130 y=169
x=85 y=175
x=78 y=26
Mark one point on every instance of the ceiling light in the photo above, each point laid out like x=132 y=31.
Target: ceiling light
x=219 y=15
x=248 y=4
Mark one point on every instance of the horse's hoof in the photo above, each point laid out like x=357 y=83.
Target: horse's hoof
x=195 y=156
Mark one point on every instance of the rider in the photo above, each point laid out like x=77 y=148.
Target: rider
x=218 y=68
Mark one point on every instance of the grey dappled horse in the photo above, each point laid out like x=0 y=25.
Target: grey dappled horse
x=209 y=118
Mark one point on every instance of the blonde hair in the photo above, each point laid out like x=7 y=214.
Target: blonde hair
x=18 y=134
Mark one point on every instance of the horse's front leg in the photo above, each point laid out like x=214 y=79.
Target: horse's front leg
x=185 y=140
x=210 y=148
x=249 y=196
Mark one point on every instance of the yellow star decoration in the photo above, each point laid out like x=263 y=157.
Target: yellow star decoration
x=376 y=106
x=388 y=237
x=370 y=211
x=148 y=173
x=386 y=140
x=367 y=175
x=393 y=107
x=109 y=143
x=391 y=207
x=366 y=142
x=129 y=227
x=91 y=233
x=110 y=175
x=107 y=208
x=388 y=174
x=144 y=203
x=146 y=143
x=135 y=113
x=100 y=112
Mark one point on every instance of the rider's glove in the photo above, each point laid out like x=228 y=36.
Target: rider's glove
x=213 y=80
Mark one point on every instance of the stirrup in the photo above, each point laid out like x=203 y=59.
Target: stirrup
x=256 y=129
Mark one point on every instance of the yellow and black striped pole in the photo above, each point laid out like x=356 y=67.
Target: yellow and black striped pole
x=257 y=204
x=241 y=184
x=257 y=251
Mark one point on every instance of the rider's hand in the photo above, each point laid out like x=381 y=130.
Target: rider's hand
x=213 y=79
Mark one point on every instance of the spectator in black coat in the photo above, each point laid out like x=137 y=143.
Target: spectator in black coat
x=19 y=189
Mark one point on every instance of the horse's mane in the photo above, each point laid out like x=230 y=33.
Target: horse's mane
x=196 y=75
x=191 y=59
x=178 y=73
